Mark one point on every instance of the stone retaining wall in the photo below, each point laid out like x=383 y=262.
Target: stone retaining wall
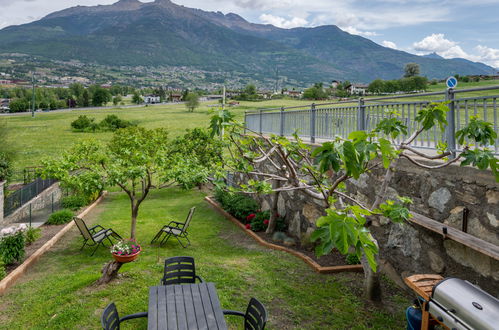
x=44 y=199
x=438 y=194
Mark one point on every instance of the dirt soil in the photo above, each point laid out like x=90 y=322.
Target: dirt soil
x=335 y=258
x=48 y=231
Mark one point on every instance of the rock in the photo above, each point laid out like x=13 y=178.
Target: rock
x=288 y=241
x=279 y=236
x=305 y=238
x=476 y=228
x=295 y=225
x=362 y=182
x=492 y=196
x=281 y=206
x=265 y=205
x=406 y=239
x=469 y=258
x=439 y=199
x=311 y=213
x=455 y=219
x=437 y=264
x=492 y=220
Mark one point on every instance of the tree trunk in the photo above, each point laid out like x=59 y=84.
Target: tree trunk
x=273 y=211
x=109 y=272
x=135 y=212
x=372 y=281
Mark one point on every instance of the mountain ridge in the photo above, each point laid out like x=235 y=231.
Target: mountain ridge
x=130 y=32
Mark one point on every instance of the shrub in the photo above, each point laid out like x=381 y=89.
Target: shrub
x=222 y=197
x=352 y=259
x=74 y=202
x=5 y=166
x=260 y=221
x=32 y=234
x=240 y=206
x=3 y=272
x=12 y=247
x=83 y=123
x=113 y=123
x=60 y=217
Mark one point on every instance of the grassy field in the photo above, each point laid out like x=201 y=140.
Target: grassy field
x=58 y=292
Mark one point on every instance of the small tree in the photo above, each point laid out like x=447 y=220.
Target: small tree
x=136 y=98
x=117 y=99
x=321 y=174
x=411 y=70
x=191 y=101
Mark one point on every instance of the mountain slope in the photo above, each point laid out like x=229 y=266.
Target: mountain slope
x=161 y=33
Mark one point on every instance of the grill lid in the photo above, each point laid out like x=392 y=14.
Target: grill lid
x=467 y=303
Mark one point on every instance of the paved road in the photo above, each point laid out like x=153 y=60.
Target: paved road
x=28 y=113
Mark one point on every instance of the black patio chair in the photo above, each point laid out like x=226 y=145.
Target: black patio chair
x=255 y=317
x=180 y=270
x=175 y=229
x=111 y=320
x=96 y=235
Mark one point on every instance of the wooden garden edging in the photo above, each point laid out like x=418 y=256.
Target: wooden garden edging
x=8 y=281
x=318 y=268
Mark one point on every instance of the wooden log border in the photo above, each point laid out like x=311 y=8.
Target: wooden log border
x=315 y=266
x=10 y=279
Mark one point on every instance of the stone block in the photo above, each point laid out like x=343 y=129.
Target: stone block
x=437 y=264
x=311 y=212
x=492 y=196
x=439 y=199
x=406 y=239
x=281 y=205
x=295 y=225
x=492 y=220
x=469 y=258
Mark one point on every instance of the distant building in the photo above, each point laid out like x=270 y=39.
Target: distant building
x=296 y=94
x=5 y=82
x=152 y=99
x=335 y=84
x=175 y=97
x=4 y=104
x=357 y=89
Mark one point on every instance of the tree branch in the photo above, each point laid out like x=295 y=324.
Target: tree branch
x=431 y=167
x=409 y=148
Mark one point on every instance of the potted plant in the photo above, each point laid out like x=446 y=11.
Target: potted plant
x=126 y=250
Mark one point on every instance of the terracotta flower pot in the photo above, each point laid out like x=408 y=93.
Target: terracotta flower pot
x=126 y=258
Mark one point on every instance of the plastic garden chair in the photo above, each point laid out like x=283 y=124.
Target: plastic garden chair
x=255 y=317
x=180 y=270
x=111 y=320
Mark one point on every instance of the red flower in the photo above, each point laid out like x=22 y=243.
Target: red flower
x=266 y=222
x=250 y=217
x=248 y=226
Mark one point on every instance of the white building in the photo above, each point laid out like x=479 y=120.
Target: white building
x=152 y=99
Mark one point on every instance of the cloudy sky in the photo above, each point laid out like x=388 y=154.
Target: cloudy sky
x=457 y=28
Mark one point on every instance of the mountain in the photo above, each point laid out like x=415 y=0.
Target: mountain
x=433 y=55
x=161 y=33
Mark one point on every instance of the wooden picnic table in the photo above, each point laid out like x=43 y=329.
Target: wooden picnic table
x=185 y=306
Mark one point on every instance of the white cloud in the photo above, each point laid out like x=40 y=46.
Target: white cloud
x=488 y=55
x=354 y=30
x=389 y=44
x=450 y=49
x=282 y=22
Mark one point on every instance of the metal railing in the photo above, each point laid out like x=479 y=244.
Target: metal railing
x=328 y=120
x=18 y=198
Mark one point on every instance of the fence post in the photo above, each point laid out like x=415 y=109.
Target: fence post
x=281 y=116
x=1 y=201
x=312 y=123
x=361 y=116
x=450 y=130
x=260 y=120
x=30 y=214
x=245 y=121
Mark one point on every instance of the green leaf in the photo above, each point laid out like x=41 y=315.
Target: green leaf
x=388 y=153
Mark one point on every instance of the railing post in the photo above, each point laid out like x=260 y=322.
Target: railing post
x=245 y=120
x=450 y=131
x=281 y=116
x=361 y=116
x=260 y=122
x=312 y=123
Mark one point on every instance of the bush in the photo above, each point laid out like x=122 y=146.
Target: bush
x=240 y=206
x=5 y=166
x=73 y=202
x=3 y=272
x=222 y=197
x=113 y=123
x=260 y=221
x=32 y=234
x=352 y=259
x=12 y=247
x=60 y=217
x=83 y=123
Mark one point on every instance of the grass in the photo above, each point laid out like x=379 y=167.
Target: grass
x=58 y=292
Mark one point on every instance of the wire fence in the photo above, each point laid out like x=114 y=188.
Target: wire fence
x=18 y=198
x=326 y=121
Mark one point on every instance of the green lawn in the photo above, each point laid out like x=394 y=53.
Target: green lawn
x=57 y=293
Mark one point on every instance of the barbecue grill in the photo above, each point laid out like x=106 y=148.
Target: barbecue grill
x=458 y=304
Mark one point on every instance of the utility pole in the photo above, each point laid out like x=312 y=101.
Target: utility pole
x=223 y=97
